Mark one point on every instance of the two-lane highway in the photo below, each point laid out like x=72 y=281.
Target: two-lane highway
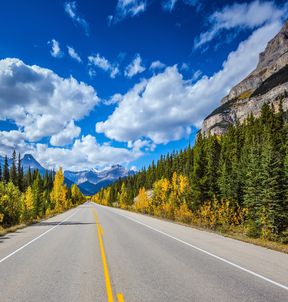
x=94 y=253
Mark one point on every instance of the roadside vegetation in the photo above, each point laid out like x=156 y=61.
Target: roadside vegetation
x=236 y=183
x=28 y=197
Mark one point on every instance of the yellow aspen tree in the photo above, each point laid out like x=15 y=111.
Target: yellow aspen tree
x=59 y=192
x=183 y=214
x=27 y=205
x=123 y=196
x=161 y=191
x=142 y=202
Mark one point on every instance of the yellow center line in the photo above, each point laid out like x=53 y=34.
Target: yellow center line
x=109 y=291
x=120 y=297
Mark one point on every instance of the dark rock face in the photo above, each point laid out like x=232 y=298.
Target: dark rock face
x=268 y=83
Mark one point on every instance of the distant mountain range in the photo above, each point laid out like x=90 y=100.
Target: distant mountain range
x=93 y=180
x=89 y=181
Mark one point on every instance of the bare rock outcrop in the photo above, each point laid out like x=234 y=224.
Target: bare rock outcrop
x=268 y=83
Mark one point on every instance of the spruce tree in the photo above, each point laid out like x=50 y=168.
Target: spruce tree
x=13 y=170
x=6 y=170
x=20 y=174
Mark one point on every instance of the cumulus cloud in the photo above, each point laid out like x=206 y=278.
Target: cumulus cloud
x=135 y=67
x=166 y=107
x=55 y=49
x=239 y=16
x=157 y=65
x=71 y=10
x=104 y=64
x=127 y=8
x=66 y=136
x=13 y=140
x=139 y=144
x=85 y=153
x=73 y=54
x=39 y=101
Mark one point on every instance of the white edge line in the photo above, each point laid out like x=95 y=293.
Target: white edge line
x=38 y=237
x=205 y=252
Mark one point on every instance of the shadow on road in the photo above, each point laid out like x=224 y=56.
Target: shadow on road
x=46 y=223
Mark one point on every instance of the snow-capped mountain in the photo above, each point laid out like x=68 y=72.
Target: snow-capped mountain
x=89 y=181
x=93 y=180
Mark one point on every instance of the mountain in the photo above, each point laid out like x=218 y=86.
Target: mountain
x=27 y=161
x=93 y=180
x=268 y=83
x=89 y=181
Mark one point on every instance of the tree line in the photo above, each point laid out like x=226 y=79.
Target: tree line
x=234 y=182
x=25 y=197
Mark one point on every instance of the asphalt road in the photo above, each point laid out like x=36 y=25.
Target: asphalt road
x=93 y=253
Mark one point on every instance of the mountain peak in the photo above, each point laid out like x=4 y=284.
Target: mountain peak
x=268 y=83
x=93 y=180
x=276 y=48
x=28 y=157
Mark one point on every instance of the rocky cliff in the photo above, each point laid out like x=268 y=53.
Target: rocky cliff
x=268 y=83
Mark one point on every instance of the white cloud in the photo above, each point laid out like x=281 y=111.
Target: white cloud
x=184 y=66
x=140 y=144
x=39 y=101
x=135 y=67
x=109 y=20
x=104 y=64
x=66 y=136
x=85 y=153
x=13 y=140
x=91 y=72
x=157 y=65
x=116 y=98
x=196 y=75
x=73 y=54
x=169 y=5
x=55 y=49
x=166 y=107
x=71 y=10
x=241 y=16
x=128 y=8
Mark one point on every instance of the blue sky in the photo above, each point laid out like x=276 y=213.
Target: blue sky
x=92 y=83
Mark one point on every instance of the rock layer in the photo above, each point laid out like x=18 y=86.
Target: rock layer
x=268 y=83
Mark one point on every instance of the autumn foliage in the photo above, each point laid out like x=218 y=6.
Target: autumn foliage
x=25 y=198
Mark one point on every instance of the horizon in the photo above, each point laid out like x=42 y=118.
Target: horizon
x=91 y=88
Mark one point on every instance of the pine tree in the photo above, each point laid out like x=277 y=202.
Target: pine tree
x=253 y=189
x=37 y=196
x=13 y=170
x=270 y=211
x=20 y=174
x=6 y=170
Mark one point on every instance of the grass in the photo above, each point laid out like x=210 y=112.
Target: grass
x=233 y=233
x=12 y=229
x=245 y=95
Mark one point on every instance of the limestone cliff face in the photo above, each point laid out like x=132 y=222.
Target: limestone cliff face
x=268 y=83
